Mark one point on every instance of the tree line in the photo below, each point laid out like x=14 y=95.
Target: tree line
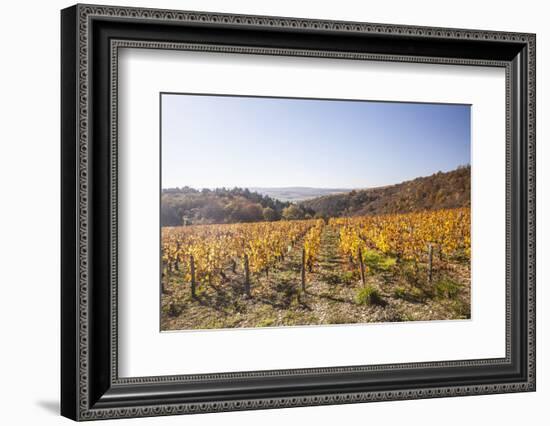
x=189 y=206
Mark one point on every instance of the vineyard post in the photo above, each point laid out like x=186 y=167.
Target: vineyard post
x=360 y=254
x=246 y=276
x=303 y=270
x=176 y=262
x=430 y=259
x=193 y=283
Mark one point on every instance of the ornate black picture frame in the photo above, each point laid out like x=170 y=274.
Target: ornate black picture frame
x=91 y=36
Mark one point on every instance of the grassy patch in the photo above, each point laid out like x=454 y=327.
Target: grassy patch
x=409 y=272
x=417 y=293
x=368 y=295
x=266 y=322
x=446 y=288
x=410 y=294
x=400 y=292
x=376 y=262
x=408 y=316
x=461 y=309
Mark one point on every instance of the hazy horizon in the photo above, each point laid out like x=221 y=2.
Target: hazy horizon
x=213 y=142
x=307 y=187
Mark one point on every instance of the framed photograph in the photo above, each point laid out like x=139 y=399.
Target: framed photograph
x=263 y=212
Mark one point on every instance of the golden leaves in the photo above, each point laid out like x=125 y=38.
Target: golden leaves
x=407 y=235
x=214 y=247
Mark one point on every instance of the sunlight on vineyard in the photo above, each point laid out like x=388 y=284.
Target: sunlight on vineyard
x=316 y=271
x=214 y=247
x=407 y=236
x=312 y=244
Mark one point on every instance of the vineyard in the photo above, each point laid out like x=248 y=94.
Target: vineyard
x=394 y=267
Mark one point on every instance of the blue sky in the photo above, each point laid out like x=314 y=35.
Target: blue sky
x=227 y=141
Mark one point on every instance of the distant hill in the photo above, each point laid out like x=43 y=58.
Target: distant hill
x=438 y=191
x=186 y=206
x=297 y=193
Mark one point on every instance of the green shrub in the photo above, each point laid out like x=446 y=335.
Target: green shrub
x=266 y=322
x=417 y=293
x=375 y=261
x=368 y=295
x=409 y=273
x=400 y=292
x=446 y=288
x=386 y=263
x=412 y=294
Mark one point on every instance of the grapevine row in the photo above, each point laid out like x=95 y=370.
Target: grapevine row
x=407 y=236
x=312 y=244
x=203 y=252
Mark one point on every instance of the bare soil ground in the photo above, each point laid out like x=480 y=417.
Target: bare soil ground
x=331 y=296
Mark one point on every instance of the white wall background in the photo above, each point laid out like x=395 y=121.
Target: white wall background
x=29 y=217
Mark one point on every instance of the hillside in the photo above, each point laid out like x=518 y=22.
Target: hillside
x=438 y=191
x=187 y=206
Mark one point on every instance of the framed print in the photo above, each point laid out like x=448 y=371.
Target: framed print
x=263 y=212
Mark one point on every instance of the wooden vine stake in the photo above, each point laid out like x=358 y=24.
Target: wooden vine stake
x=246 y=276
x=362 y=265
x=163 y=287
x=193 y=282
x=303 y=270
x=430 y=261
x=177 y=261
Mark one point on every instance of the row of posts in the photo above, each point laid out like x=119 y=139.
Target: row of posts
x=302 y=270
x=246 y=274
